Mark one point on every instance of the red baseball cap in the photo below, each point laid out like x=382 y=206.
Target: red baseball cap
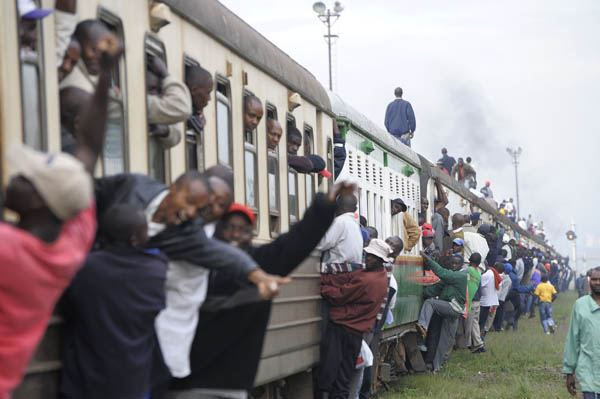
x=427 y=233
x=325 y=173
x=427 y=226
x=235 y=207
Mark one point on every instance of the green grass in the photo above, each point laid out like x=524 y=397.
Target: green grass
x=526 y=364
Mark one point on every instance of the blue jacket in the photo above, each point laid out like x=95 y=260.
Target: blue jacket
x=516 y=284
x=400 y=118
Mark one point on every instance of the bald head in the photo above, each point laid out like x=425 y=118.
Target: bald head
x=458 y=221
x=395 y=244
x=274 y=132
x=200 y=83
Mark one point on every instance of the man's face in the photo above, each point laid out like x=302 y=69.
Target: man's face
x=201 y=95
x=456 y=263
x=372 y=261
x=460 y=161
x=396 y=208
x=69 y=60
x=90 y=53
x=185 y=202
x=253 y=113
x=293 y=144
x=237 y=231
x=274 y=133
x=21 y=196
x=219 y=203
x=424 y=204
x=456 y=249
x=595 y=282
x=427 y=241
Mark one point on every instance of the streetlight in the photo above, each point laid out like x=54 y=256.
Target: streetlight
x=328 y=17
x=515 y=154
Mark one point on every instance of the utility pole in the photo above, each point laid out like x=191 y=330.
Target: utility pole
x=329 y=18
x=515 y=154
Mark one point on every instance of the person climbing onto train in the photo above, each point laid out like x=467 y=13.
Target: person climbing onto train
x=233 y=321
x=168 y=101
x=463 y=172
x=447 y=299
x=400 y=119
x=297 y=162
x=52 y=194
x=447 y=160
x=355 y=298
x=110 y=309
x=439 y=222
x=428 y=246
x=582 y=348
x=410 y=229
x=486 y=190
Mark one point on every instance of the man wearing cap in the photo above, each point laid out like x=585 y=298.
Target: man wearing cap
x=355 y=299
x=486 y=190
x=411 y=231
x=233 y=320
x=474 y=224
x=53 y=196
x=428 y=246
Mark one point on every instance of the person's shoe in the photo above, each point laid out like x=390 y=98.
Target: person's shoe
x=547 y=332
x=552 y=329
x=479 y=350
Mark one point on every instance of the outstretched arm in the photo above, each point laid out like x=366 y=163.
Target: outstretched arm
x=90 y=139
x=442 y=196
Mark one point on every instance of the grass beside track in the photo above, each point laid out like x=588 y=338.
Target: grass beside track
x=526 y=364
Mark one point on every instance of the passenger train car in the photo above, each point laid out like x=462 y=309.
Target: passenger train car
x=242 y=62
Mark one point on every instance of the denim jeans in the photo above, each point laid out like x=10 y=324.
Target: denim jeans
x=591 y=395
x=546 y=315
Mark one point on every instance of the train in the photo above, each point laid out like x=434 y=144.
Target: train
x=242 y=62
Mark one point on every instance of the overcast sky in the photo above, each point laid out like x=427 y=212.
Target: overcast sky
x=481 y=76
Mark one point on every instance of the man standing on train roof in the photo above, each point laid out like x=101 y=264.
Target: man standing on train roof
x=411 y=229
x=447 y=160
x=582 y=347
x=53 y=196
x=486 y=190
x=233 y=321
x=400 y=118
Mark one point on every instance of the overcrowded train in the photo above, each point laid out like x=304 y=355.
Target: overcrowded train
x=242 y=63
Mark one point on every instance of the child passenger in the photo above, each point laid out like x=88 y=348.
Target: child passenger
x=110 y=309
x=547 y=294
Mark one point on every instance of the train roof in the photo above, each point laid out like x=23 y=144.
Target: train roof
x=224 y=26
x=371 y=130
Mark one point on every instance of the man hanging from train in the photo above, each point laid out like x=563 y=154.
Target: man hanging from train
x=400 y=118
x=233 y=321
x=53 y=196
x=410 y=228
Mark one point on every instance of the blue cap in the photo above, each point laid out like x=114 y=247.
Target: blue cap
x=365 y=234
x=459 y=241
x=507 y=267
x=475 y=215
x=28 y=10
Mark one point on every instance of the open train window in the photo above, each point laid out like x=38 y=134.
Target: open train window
x=293 y=205
x=273 y=179
x=223 y=106
x=157 y=154
x=114 y=154
x=194 y=134
x=250 y=154
x=32 y=82
x=311 y=180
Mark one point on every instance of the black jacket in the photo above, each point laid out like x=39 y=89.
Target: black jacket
x=228 y=343
x=186 y=242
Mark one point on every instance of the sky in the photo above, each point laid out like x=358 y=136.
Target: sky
x=482 y=76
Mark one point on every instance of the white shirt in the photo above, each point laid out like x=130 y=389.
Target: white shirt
x=509 y=207
x=343 y=241
x=508 y=250
x=520 y=266
x=505 y=287
x=474 y=242
x=522 y=224
x=186 y=288
x=489 y=295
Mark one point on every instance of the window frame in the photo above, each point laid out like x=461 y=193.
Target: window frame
x=115 y=24
x=252 y=148
x=310 y=179
x=275 y=213
x=225 y=99
x=290 y=119
x=198 y=141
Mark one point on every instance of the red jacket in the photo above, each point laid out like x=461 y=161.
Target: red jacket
x=355 y=297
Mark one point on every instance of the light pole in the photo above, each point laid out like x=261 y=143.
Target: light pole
x=328 y=17
x=515 y=154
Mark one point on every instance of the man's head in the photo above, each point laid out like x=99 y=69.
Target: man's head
x=457 y=245
x=372 y=232
x=30 y=14
x=377 y=253
x=445 y=214
x=294 y=140
x=274 y=133
x=188 y=196
x=153 y=83
x=475 y=259
x=444 y=151
x=253 y=112
x=220 y=180
x=456 y=262
x=545 y=278
x=427 y=237
x=89 y=33
x=396 y=244
x=200 y=83
x=363 y=221
x=458 y=220
x=398 y=206
x=73 y=102
x=468 y=159
x=125 y=225
x=487 y=183
x=424 y=204
x=475 y=218
x=460 y=161
x=595 y=281
x=499 y=266
x=70 y=59
x=346 y=203
x=398 y=92
x=236 y=226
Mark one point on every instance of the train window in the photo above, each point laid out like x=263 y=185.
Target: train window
x=32 y=87
x=223 y=105
x=194 y=134
x=252 y=107
x=311 y=180
x=115 y=144
x=293 y=205
x=273 y=175
x=157 y=155
x=330 y=164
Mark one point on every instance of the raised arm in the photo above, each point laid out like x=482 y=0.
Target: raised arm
x=442 y=196
x=90 y=139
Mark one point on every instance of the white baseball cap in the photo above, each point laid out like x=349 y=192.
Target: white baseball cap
x=59 y=178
